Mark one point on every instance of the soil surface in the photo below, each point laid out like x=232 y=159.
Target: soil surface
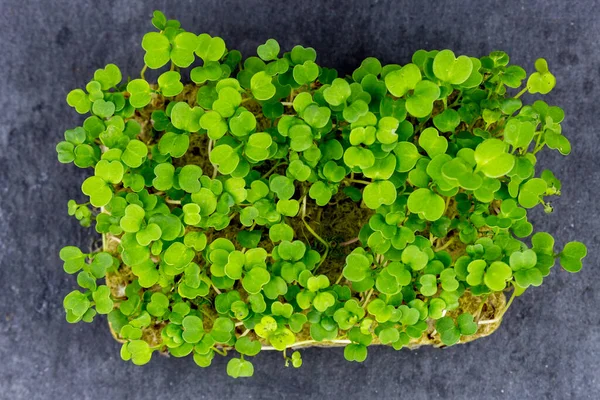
x=548 y=346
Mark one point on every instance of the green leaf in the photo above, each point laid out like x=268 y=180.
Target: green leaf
x=133 y=218
x=289 y=208
x=178 y=255
x=352 y=112
x=476 y=271
x=531 y=191
x=428 y=285
x=225 y=157
x=170 y=83
x=210 y=48
x=315 y=116
x=247 y=347
x=407 y=155
x=189 y=119
x=229 y=99
x=451 y=69
x=242 y=123
x=74 y=259
x=432 y=142
x=109 y=171
x=458 y=172
x=323 y=301
x=519 y=133
x=338 y=92
x=164 y=174
x=261 y=86
x=158 y=50
x=357 y=267
x=492 y=159
x=400 y=81
x=541 y=81
x=427 y=204
x=193 y=329
x=420 y=103
x=79 y=100
x=140 y=94
x=571 y=256
x=108 y=77
x=255 y=279
x=379 y=193
x=306 y=72
x=386 y=130
x=135 y=153
x=268 y=51
x=257 y=147
x=189 y=178
x=449 y=333
x=301 y=54
x=150 y=233
x=496 y=276
x=138 y=351
x=100 y=191
x=355 y=352
x=159 y=20
x=301 y=137
x=413 y=257
x=282 y=186
x=281 y=338
x=102 y=108
x=298 y=170
x=210 y=71
x=466 y=325
x=447 y=121
x=358 y=156
x=159 y=304
x=182 y=53
x=293 y=251
x=279 y=232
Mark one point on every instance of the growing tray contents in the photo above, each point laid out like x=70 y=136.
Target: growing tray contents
x=270 y=204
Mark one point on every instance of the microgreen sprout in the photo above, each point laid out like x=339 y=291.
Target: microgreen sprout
x=272 y=204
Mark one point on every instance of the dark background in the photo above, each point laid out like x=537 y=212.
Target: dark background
x=549 y=343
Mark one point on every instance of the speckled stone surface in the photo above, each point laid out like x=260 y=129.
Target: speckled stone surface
x=549 y=344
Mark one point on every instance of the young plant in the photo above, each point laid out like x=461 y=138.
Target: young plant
x=272 y=204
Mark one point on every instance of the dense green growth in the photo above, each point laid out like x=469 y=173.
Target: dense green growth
x=439 y=149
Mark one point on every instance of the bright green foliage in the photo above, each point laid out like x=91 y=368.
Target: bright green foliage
x=79 y=100
x=262 y=87
x=541 y=81
x=157 y=49
x=426 y=203
x=451 y=69
x=400 y=81
x=571 y=256
x=170 y=84
x=238 y=368
x=140 y=93
x=268 y=51
x=217 y=198
x=451 y=331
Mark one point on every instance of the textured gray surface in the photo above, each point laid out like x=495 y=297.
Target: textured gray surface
x=549 y=344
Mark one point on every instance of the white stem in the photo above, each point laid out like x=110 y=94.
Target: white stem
x=247 y=331
x=304 y=207
x=489 y=321
x=210 y=147
x=216 y=290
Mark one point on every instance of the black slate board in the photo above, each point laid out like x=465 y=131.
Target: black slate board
x=549 y=344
